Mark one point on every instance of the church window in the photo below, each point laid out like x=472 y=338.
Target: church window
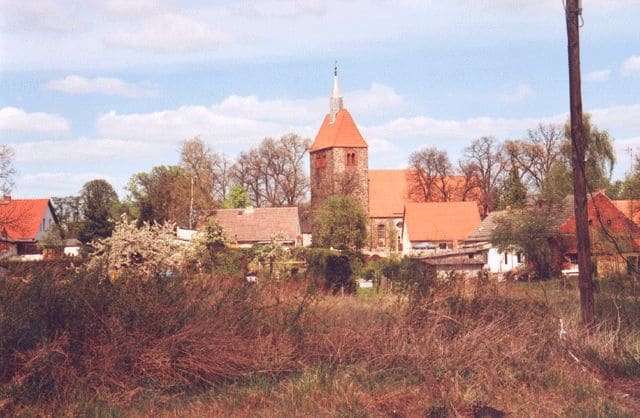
x=351 y=158
x=321 y=160
x=381 y=232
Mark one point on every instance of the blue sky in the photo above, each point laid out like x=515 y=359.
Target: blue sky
x=107 y=88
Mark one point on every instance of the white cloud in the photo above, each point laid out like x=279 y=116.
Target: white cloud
x=75 y=84
x=430 y=129
x=240 y=118
x=520 y=93
x=599 y=75
x=621 y=120
x=128 y=8
x=44 y=15
x=85 y=150
x=13 y=119
x=47 y=184
x=281 y=9
x=631 y=65
x=186 y=122
x=168 y=33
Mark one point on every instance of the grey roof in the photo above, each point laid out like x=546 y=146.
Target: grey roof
x=482 y=233
x=259 y=224
x=558 y=214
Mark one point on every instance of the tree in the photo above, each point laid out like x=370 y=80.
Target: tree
x=237 y=198
x=528 y=231
x=7 y=171
x=341 y=223
x=161 y=195
x=273 y=173
x=69 y=212
x=538 y=153
x=99 y=204
x=631 y=184
x=600 y=156
x=431 y=169
x=488 y=158
x=513 y=192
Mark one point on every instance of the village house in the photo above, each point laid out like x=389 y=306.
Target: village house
x=250 y=226
x=437 y=226
x=339 y=166
x=615 y=238
x=498 y=262
x=23 y=222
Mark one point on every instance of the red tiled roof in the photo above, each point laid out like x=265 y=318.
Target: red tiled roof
x=22 y=218
x=390 y=190
x=441 y=221
x=631 y=208
x=259 y=224
x=343 y=132
x=604 y=213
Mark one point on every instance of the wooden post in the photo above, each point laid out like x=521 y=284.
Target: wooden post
x=578 y=148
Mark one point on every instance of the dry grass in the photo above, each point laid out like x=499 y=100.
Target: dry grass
x=211 y=347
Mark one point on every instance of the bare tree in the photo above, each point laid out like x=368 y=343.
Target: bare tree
x=7 y=170
x=538 y=153
x=273 y=173
x=431 y=172
x=487 y=155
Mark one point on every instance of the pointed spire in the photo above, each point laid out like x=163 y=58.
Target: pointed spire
x=335 y=101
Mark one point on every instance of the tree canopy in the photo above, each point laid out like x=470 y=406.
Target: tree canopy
x=99 y=205
x=341 y=223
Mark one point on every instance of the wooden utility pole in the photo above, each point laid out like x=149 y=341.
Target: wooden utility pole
x=578 y=146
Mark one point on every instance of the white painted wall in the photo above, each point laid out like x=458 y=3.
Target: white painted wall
x=496 y=261
x=49 y=221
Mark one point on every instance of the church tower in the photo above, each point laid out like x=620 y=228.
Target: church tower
x=339 y=156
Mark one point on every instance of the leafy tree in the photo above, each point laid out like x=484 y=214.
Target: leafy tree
x=237 y=198
x=341 y=223
x=513 y=192
x=7 y=171
x=161 y=195
x=69 y=212
x=631 y=184
x=600 y=156
x=99 y=205
x=208 y=249
x=528 y=231
x=52 y=238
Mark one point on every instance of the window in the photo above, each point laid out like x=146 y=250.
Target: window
x=442 y=246
x=44 y=224
x=381 y=232
x=351 y=158
x=506 y=258
x=519 y=258
x=608 y=222
x=321 y=160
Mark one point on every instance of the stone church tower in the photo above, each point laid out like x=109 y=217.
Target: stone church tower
x=339 y=156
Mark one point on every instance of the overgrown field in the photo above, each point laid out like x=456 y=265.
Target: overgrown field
x=77 y=344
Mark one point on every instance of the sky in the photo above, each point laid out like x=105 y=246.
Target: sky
x=108 y=88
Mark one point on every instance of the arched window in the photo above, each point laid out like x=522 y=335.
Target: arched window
x=381 y=232
x=351 y=158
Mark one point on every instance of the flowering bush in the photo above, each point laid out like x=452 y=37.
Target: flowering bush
x=146 y=251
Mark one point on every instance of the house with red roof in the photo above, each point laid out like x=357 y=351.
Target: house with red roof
x=339 y=166
x=22 y=223
x=437 y=225
x=615 y=237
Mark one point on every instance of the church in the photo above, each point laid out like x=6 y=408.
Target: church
x=339 y=162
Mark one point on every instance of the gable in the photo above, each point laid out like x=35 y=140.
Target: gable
x=21 y=219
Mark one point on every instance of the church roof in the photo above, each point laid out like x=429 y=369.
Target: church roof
x=343 y=132
x=390 y=190
x=441 y=221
